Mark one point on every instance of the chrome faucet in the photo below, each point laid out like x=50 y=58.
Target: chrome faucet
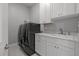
x=61 y=31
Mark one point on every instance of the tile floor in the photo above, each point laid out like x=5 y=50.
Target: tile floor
x=15 y=50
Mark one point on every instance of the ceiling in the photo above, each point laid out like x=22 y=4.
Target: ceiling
x=29 y=4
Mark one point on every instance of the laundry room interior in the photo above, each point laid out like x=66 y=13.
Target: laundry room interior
x=39 y=29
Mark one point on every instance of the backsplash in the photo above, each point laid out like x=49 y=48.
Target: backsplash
x=70 y=25
x=50 y=28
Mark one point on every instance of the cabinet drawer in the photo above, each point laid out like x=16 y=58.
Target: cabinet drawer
x=59 y=50
x=59 y=41
x=65 y=51
x=51 y=49
x=66 y=43
x=51 y=39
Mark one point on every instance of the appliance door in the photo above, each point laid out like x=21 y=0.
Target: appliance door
x=31 y=38
x=34 y=28
x=26 y=39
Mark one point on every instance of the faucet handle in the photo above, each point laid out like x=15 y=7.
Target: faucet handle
x=61 y=31
x=68 y=33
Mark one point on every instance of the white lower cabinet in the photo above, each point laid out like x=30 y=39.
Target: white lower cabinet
x=37 y=44
x=51 y=49
x=51 y=46
x=43 y=47
x=77 y=49
x=65 y=51
x=40 y=45
x=58 y=50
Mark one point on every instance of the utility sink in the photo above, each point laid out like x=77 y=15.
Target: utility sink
x=67 y=37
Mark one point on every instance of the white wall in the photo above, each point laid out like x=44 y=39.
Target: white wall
x=17 y=14
x=4 y=21
x=3 y=28
x=0 y=22
x=34 y=13
x=68 y=25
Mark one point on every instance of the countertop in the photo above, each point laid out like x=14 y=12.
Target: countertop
x=66 y=37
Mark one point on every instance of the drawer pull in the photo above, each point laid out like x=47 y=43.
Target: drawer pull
x=56 y=46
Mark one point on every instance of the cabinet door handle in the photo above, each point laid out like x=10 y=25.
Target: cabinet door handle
x=57 y=47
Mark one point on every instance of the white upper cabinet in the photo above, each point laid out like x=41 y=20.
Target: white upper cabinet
x=45 y=12
x=62 y=9
x=34 y=13
x=69 y=9
x=40 y=13
x=77 y=8
x=56 y=9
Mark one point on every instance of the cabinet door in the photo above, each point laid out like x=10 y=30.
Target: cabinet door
x=43 y=46
x=77 y=49
x=51 y=49
x=34 y=13
x=44 y=13
x=77 y=8
x=69 y=9
x=40 y=45
x=65 y=51
x=56 y=9
x=37 y=44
